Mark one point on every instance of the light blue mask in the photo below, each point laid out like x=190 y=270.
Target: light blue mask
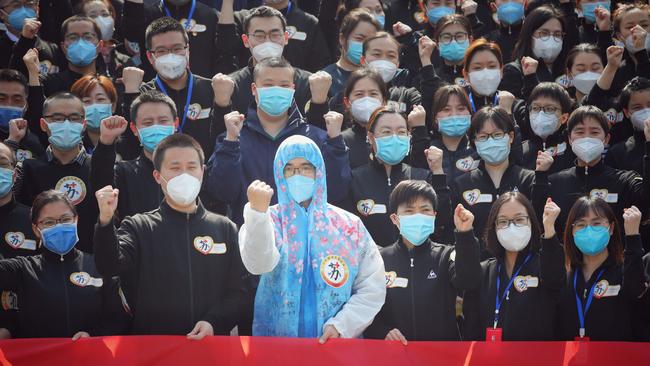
x=453 y=51
x=95 y=113
x=151 y=136
x=434 y=14
x=301 y=188
x=7 y=114
x=454 y=126
x=381 y=19
x=17 y=17
x=82 y=53
x=61 y=238
x=6 y=181
x=494 y=151
x=65 y=135
x=589 y=10
x=393 y=149
x=416 y=228
x=275 y=100
x=354 y=52
x=592 y=239
x=510 y=13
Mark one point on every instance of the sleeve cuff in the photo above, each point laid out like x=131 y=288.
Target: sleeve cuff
x=541 y=177
x=254 y=218
x=438 y=181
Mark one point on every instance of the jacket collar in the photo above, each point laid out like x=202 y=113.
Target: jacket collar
x=70 y=257
x=596 y=169
x=168 y=211
x=295 y=120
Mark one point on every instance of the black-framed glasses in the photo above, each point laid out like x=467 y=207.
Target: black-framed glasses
x=583 y=224
x=519 y=221
x=49 y=223
x=305 y=170
x=495 y=136
x=60 y=117
x=547 y=109
x=74 y=37
x=544 y=35
x=176 y=50
x=274 y=36
x=446 y=38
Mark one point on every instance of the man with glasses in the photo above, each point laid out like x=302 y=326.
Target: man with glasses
x=65 y=165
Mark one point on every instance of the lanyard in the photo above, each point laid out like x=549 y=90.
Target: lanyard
x=505 y=292
x=471 y=100
x=188 y=22
x=583 y=313
x=190 y=82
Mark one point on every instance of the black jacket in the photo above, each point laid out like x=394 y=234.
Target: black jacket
x=75 y=295
x=610 y=315
x=422 y=284
x=506 y=38
x=49 y=54
x=528 y=310
x=454 y=163
x=16 y=231
x=172 y=283
x=628 y=154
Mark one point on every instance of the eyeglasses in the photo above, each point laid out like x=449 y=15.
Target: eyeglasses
x=60 y=118
x=176 y=50
x=260 y=36
x=304 y=170
x=74 y=37
x=49 y=223
x=547 y=109
x=519 y=221
x=577 y=226
x=544 y=35
x=446 y=38
x=495 y=136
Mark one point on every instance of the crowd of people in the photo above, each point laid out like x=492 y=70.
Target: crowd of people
x=403 y=170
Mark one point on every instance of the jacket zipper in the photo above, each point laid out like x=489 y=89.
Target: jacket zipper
x=413 y=317
x=67 y=301
x=189 y=262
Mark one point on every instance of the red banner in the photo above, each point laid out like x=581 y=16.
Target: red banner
x=173 y=350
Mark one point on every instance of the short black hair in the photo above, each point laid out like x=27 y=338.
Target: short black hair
x=638 y=84
x=163 y=25
x=45 y=198
x=80 y=18
x=553 y=91
x=583 y=48
x=264 y=12
x=407 y=191
x=61 y=96
x=272 y=62
x=13 y=76
x=497 y=115
x=151 y=96
x=587 y=111
x=12 y=156
x=175 y=140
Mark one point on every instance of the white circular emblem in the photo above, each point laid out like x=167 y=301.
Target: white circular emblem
x=72 y=187
x=334 y=271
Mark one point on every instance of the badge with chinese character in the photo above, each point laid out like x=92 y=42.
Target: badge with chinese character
x=334 y=271
x=83 y=279
x=15 y=239
x=22 y=155
x=467 y=164
x=73 y=187
x=523 y=283
x=205 y=245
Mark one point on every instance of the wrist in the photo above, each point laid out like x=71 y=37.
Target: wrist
x=261 y=208
x=631 y=232
x=222 y=102
x=104 y=220
x=437 y=171
x=425 y=61
x=131 y=88
x=319 y=98
x=106 y=140
x=231 y=137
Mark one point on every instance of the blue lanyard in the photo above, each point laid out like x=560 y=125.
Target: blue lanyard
x=471 y=100
x=188 y=22
x=499 y=302
x=583 y=313
x=190 y=82
x=289 y=6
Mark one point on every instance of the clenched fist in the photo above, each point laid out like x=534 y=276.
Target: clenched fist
x=551 y=212
x=529 y=65
x=463 y=219
x=17 y=129
x=259 y=196
x=425 y=48
x=234 y=122
x=107 y=202
x=333 y=122
x=417 y=117
x=31 y=27
x=631 y=220
x=223 y=87
x=319 y=85
x=544 y=161
x=111 y=128
x=434 y=159
x=132 y=79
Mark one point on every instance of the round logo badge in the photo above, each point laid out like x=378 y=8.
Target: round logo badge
x=334 y=271
x=81 y=279
x=72 y=187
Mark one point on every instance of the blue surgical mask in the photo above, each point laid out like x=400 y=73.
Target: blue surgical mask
x=494 y=151
x=16 y=18
x=301 y=188
x=275 y=100
x=95 y=113
x=381 y=19
x=151 y=136
x=7 y=114
x=392 y=149
x=65 y=135
x=454 y=126
x=6 y=181
x=592 y=239
x=416 y=228
x=589 y=10
x=354 y=52
x=82 y=53
x=61 y=238
x=434 y=14
x=510 y=13
x=453 y=51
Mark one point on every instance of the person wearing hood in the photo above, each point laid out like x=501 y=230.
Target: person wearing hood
x=80 y=301
x=181 y=261
x=321 y=273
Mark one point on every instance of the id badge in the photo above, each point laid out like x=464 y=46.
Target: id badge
x=493 y=335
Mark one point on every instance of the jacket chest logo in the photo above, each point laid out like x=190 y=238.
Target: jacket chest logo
x=523 y=283
x=467 y=164
x=334 y=271
x=195 y=112
x=83 y=279
x=604 y=194
x=368 y=207
x=205 y=245
x=393 y=281
x=475 y=196
x=432 y=275
x=17 y=240
x=604 y=289
x=73 y=187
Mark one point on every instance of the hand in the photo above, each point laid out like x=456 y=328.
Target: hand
x=506 y=100
x=417 y=117
x=544 y=161
x=329 y=332
x=234 y=122
x=463 y=219
x=319 y=85
x=396 y=335
x=132 y=79
x=631 y=220
x=80 y=335
x=223 y=87
x=201 y=329
x=529 y=65
x=469 y=7
x=5 y=333
x=17 y=130
x=638 y=37
x=111 y=128
x=434 y=159
x=646 y=129
x=259 y=196
x=31 y=61
x=614 y=56
x=551 y=212
x=333 y=122
x=107 y=202
x=31 y=27
x=603 y=19
x=400 y=29
x=425 y=48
